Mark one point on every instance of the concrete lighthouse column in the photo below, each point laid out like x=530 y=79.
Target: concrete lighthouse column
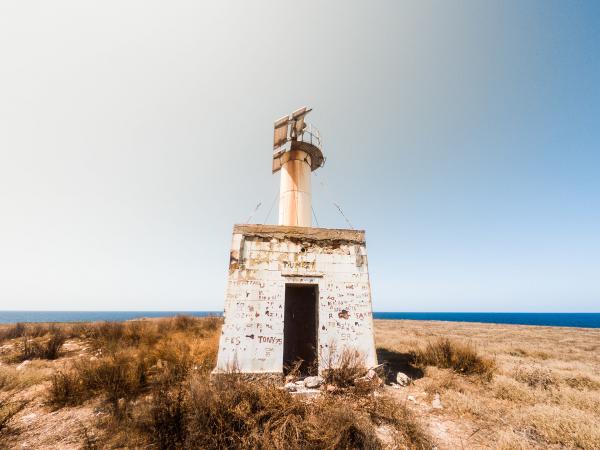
x=294 y=192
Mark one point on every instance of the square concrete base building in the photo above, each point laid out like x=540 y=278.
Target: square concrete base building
x=296 y=295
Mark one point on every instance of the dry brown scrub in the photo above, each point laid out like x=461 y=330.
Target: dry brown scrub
x=544 y=393
x=145 y=384
x=461 y=357
x=9 y=408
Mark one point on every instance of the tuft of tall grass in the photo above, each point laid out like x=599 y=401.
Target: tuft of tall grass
x=460 y=357
x=47 y=349
x=66 y=389
x=535 y=376
x=118 y=377
x=168 y=418
x=344 y=368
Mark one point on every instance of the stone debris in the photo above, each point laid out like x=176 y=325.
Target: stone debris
x=313 y=382
x=402 y=379
x=330 y=388
x=290 y=387
x=437 y=403
x=412 y=398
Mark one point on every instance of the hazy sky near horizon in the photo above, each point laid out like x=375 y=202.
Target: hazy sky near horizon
x=464 y=137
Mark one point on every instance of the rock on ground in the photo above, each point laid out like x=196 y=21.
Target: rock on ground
x=313 y=382
x=402 y=379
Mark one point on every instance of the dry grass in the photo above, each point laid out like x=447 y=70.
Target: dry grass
x=48 y=348
x=178 y=407
x=152 y=378
x=12 y=332
x=19 y=330
x=11 y=379
x=118 y=377
x=460 y=357
x=148 y=385
x=343 y=370
x=535 y=376
x=232 y=413
x=9 y=408
x=545 y=391
x=134 y=357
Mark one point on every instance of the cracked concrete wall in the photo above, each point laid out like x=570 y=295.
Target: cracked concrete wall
x=263 y=260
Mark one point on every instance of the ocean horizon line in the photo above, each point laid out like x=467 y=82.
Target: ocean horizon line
x=221 y=311
x=557 y=319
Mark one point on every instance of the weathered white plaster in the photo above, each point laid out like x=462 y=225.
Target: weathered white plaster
x=265 y=258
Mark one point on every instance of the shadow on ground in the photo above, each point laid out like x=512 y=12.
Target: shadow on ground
x=398 y=362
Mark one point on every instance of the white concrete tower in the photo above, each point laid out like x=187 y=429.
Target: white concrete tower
x=297 y=152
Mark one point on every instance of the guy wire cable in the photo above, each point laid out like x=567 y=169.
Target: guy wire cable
x=338 y=207
x=254 y=212
x=272 y=205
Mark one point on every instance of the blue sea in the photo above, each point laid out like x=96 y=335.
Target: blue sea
x=581 y=320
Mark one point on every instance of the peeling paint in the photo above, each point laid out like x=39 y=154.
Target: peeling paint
x=262 y=260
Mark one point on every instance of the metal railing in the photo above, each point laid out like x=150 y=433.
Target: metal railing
x=311 y=135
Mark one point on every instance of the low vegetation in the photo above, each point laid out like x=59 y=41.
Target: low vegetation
x=146 y=384
x=122 y=375
x=19 y=330
x=12 y=332
x=48 y=348
x=345 y=370
x=152 y=381
x=501 y=386
x=460 y=357
x=233 y=413
x=535 y=376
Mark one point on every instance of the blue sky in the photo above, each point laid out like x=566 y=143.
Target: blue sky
x=463 y=137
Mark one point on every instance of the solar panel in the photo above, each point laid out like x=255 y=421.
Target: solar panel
x=281 y=131
x=292 y=132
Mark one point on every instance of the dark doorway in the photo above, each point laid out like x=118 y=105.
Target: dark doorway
x=300 y=328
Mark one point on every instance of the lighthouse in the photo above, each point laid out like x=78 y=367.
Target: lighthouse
x=296 y=154
x=296 y=296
